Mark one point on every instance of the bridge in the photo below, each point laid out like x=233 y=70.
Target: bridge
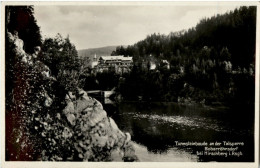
x=100 y=93
x=94 y=91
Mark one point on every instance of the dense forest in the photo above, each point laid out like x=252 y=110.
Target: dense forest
x=210 y=63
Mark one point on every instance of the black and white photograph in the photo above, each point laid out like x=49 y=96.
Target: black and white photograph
x=130 y=82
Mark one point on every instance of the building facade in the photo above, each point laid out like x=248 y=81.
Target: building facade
x=119 y=64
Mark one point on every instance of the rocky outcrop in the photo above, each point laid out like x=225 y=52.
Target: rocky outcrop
x=82 y=131
x=97 y=134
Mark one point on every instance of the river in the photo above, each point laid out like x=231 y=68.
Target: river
x=157 y=128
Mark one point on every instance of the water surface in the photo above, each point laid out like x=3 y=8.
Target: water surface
x=155 y=128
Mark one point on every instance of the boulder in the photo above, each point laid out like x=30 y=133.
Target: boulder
x=98 y=137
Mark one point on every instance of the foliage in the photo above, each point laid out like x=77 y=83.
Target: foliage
x=21 y=84
x=204 y=61
x=60 y=54
x=48 y=117
x=62 y=58
x=21 y=19
x=234 y=31
x=34 y=99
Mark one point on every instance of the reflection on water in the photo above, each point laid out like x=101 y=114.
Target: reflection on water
x=194 y=122
x=155 y=127
x=172 y=155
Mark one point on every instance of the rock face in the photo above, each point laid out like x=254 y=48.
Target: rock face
x=97 y=134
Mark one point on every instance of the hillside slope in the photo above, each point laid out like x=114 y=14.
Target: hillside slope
x=98 y=51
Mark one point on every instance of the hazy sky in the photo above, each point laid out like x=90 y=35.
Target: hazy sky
x=99 y=26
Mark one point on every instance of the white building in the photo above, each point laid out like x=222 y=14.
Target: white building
x=120 y=64
x=115 y=60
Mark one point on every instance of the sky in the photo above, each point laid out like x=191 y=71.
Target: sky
x=93 y=26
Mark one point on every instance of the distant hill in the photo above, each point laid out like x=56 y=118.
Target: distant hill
x=98 y=51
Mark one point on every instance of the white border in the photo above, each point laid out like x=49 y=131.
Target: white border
x=257 y=80
x=11 y=164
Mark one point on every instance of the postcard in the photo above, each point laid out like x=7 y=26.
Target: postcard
x=94 y=84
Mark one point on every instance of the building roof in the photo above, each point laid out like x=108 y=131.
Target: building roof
x=118 y=57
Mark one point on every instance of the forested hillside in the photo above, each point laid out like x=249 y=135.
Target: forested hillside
x=98 y=51
x=212 y=62
x=235 y=31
